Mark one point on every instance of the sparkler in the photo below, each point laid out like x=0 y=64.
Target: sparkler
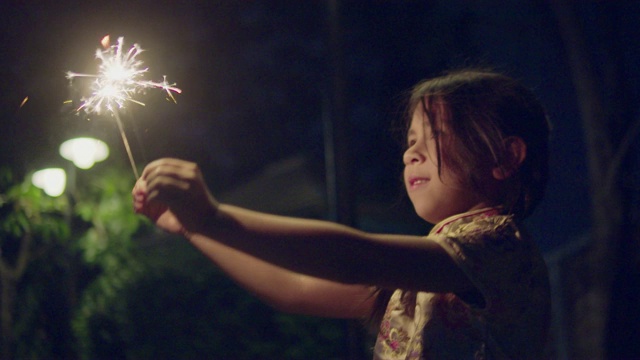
x=120 y=77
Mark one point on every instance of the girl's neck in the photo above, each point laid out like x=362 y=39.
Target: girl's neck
x=480 y=211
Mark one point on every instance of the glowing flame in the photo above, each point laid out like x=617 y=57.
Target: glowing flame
x=119 y=79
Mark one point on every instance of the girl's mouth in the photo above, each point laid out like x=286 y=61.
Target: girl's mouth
x=416 y=182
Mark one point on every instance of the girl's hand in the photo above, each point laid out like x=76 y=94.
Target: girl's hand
x=173 y=194
x=158 y=213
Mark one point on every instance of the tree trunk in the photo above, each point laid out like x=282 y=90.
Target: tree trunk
x=592 y=304
x=9 y=277
x=6 y=308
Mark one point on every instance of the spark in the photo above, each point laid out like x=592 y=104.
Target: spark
x=119 y=79
x=23 y=102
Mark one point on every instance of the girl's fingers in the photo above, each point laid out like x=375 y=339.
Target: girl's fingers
x=161 y=181
x=139 y=188
x=171 y=174
x=165 y=164
x=165 y=189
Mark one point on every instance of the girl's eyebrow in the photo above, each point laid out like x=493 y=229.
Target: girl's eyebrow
x=411 y=133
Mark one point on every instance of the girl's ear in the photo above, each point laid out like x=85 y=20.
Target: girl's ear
x=516 y=152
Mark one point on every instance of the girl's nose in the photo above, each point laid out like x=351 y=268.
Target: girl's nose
x=413 y=155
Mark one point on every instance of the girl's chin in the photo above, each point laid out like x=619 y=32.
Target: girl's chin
x=428 y=216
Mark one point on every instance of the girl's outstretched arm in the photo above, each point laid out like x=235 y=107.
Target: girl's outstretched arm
x=282 y=289
x=286 y=290
x=317 y=248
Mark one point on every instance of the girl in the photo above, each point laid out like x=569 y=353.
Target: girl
x=475 y=287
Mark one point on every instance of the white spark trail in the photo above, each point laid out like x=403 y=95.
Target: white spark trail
x=119 y=79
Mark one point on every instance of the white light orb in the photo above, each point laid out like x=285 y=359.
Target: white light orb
x=84 y=151
x=51 y=180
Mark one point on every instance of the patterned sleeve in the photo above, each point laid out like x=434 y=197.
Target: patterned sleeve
x=507 y=269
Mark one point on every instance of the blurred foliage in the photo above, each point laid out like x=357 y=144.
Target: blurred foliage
x=102 y=199
x=32 y=225
x=25 y=209
x=103 y=283
x=184 y=308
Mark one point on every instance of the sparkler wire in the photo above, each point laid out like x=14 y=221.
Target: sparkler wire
x=126 y=145
x=118 y=80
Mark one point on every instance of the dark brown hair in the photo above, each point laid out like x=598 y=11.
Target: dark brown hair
x=478 y=110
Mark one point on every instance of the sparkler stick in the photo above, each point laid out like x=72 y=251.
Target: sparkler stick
x=119 y=79
x=126 y=145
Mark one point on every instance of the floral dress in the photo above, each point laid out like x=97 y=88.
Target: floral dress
x=509 y=321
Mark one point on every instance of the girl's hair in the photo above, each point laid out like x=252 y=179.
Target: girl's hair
x=479 y=110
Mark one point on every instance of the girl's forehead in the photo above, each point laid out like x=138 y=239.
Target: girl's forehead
x=419 y=125
x=420 y=119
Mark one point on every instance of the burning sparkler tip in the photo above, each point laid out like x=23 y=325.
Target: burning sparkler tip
x=118 y=80
x=105 y=42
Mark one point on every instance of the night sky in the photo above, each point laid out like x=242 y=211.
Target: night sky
x=257 y=78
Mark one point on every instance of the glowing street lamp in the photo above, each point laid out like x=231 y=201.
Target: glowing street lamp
x=52 y=180
x=84 y=151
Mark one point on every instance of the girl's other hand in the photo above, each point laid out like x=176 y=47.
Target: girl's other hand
x=156 y=212
x=173 y=194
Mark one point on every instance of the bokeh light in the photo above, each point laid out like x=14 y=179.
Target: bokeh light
x=84 y=152
x=52 y=180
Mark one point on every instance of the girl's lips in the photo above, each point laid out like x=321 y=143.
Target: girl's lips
x=415 y=182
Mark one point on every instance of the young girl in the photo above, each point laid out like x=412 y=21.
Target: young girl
x=475 y=287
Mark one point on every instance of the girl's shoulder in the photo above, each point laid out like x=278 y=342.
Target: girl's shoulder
x=480 y=223
x=487 y=234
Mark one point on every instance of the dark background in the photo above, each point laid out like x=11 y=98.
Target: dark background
x=259 y=88
x=257 y=77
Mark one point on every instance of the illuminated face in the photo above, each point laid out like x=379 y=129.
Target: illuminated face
x=434 y=197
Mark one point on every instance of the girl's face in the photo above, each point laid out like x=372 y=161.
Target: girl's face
x=434 y=197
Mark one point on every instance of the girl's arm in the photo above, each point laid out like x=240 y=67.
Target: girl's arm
x=286 y=290
x=283 y=289
x=336 y=252
x=317 y=248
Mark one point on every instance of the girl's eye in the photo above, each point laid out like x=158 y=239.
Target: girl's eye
x=411 y=142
